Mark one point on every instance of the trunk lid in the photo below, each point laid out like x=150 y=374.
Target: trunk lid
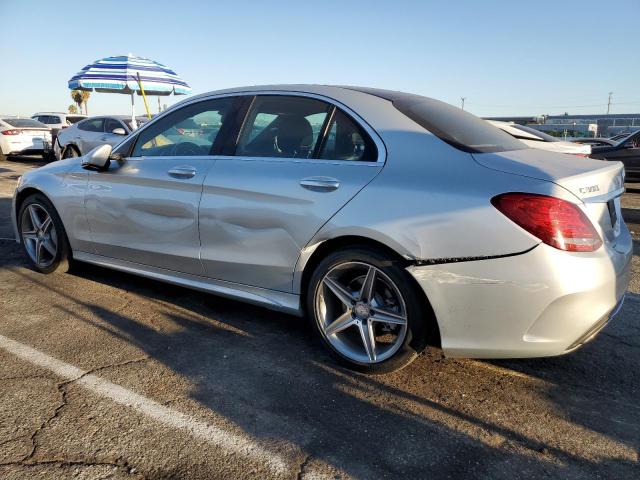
x=599 y=184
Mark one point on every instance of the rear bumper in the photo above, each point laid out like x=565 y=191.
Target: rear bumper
x=542 y=303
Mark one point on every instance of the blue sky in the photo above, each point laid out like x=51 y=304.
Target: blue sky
x=506 y=57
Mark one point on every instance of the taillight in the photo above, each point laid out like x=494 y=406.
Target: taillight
x=11 y=132
x=580 y=154
x=556 y=222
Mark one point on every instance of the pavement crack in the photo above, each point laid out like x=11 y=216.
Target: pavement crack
x=62 y=389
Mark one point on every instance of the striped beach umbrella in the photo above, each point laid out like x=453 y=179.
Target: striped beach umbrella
x=121 y=75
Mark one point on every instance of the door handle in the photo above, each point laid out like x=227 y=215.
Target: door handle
x=320 y=184
x=182 y=172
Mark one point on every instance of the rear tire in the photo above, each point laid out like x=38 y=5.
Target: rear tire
x=42 y=235
x=365 y=309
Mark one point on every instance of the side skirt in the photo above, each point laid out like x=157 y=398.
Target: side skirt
x=280 y=301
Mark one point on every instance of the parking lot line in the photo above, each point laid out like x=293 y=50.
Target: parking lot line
x=170 y=417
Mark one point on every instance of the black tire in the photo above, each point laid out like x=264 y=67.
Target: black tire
x=70 y=152
x=48 y=156
x=61 y=261
x=417 y=314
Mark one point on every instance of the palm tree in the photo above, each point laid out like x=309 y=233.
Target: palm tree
x=81 y=97
x=85 y=96
x=76 y=95
x=73 y=108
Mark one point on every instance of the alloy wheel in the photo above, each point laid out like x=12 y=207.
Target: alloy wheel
x=361 y=312
x=39 y=235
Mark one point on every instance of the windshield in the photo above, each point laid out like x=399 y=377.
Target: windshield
x=140 y=122
x=71 y=119
x=24 y=123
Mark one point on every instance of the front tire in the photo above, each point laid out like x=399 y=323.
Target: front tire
x=70 y=152
x=42 y=235
x=365 y=309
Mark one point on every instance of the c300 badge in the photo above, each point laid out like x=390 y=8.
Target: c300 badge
x=589 y=189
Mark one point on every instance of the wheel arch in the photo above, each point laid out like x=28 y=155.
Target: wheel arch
x=353 y=241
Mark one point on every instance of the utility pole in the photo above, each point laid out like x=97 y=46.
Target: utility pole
x=609 y=103
x=463 y=99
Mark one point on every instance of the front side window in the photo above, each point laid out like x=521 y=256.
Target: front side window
x=191 y=130
x=111 y=124
x=282 y=126
x=92 y=125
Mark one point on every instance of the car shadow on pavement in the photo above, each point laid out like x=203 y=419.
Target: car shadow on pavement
x=262 y=371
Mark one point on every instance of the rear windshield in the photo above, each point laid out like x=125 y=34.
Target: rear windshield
x=458 y=128
x=455 y=126
x=24 y=123
x=545 y=136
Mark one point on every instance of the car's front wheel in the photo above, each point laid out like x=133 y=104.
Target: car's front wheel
x=70 y=152
x=366 y=310
x=42 y=235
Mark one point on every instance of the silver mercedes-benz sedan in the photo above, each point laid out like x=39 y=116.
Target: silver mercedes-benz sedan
x=392 y=221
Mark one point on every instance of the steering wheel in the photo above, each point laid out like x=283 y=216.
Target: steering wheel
x=186 y=148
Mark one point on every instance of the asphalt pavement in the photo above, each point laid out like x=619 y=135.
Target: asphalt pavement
x=107 y=375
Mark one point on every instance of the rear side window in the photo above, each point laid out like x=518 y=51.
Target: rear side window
x=282 y=126
x=23 y=123
x=47 y=119
x=345 y=140
x=455 y=126
x=92 y=125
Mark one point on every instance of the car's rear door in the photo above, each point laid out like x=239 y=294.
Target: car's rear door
x=296 y=162
x=144 y=208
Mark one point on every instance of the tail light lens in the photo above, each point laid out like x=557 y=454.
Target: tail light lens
x=556 y=222
x=11 y=132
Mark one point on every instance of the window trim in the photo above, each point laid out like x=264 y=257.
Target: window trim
x=243 y=110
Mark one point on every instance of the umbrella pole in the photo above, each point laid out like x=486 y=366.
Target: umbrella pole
x=134 y=124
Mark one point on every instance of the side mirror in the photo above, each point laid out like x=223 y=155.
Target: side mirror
x=98 y=158
x=119 y=131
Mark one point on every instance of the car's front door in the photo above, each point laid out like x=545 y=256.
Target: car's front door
x=298 y=160
x=144 y=208
x=111 y=125
x=88 y=134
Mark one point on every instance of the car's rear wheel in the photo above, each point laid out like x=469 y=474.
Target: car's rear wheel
x=70 y=152
x=366 y=310
x=42 y=235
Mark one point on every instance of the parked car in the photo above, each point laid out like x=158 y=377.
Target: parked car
x=56 y=121
x=391 y=220
x=91 y=132
x=627 y=151
x=593 y=141
x=537 y=139
x=23 y=136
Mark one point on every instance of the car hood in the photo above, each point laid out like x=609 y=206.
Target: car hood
x=584 y=177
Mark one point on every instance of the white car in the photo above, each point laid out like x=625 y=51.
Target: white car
x=58 y=120
x=92 y=132
x=23 y=136
x=536 y=139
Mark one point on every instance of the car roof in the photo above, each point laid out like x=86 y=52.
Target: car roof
x=59 y=113
x=317 y=89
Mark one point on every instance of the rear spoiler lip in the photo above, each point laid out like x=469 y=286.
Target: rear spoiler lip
x=605 y=197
